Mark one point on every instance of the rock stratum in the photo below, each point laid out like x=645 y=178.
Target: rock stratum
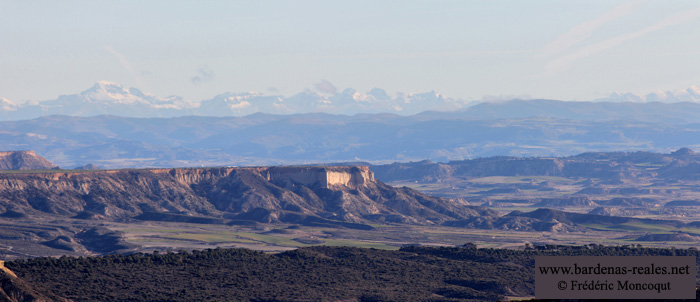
x=344 y=195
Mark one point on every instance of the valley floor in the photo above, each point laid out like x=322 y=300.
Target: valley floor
x=23 y=238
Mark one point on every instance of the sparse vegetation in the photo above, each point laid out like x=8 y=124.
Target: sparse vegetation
x=413 y=273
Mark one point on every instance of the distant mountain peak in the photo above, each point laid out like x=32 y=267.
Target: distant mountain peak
x=105 y=86
x=429 y=97
x=23 y=160
x=379 y=94
x=691 y=94
x=106 y=97
x=684 y=152
x=7 y=105
x=104 y=91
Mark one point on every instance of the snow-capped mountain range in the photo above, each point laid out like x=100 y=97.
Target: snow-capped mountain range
x=112 y=98
x=691 y=94
x=7 y=105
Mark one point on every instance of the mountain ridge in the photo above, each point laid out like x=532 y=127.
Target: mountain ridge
x=264 y=194
x=265 y=139
x=615 y=167
x=677 y=112
x=24 y=160
x=111 y=98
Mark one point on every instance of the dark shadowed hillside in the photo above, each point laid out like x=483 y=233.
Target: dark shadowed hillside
x=413 y=273
x=14 y=289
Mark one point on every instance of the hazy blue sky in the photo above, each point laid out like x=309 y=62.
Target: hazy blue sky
x=463 y=49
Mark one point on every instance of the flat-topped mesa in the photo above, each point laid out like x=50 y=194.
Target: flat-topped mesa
x=23 y=160
x=327 y=177
x=310 y=194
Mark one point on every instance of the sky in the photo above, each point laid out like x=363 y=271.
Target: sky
x=566 y=50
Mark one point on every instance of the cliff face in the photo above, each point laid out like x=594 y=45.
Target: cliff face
x=23 y=160
x=267 y=194
x=326 y=177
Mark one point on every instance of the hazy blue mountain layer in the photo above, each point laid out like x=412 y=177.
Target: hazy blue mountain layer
x=264 y=139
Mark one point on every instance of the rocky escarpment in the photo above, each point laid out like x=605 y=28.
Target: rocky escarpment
x=23 y=160
x=266 y=194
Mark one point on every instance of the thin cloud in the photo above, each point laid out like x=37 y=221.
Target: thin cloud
x=585 y=29
x=204 y=74
x=563 y=62
x=125 y=63
x=431 y=54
